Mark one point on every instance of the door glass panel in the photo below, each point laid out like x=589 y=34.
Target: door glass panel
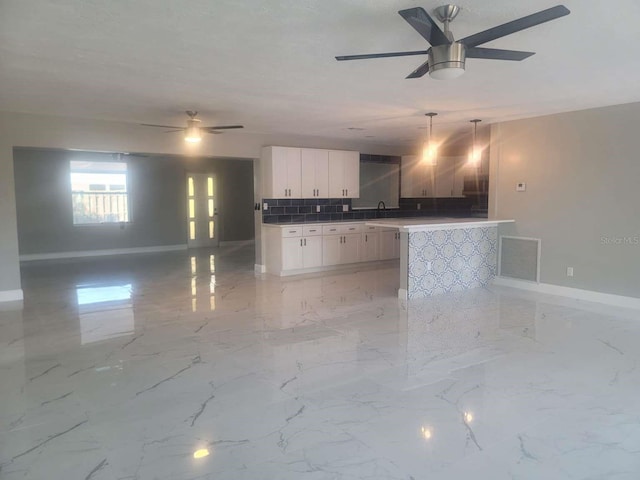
x=190 y=187
x=210 y=207
x=192 y=230
x=211 y=229
x=192 y=208
x=210 y=186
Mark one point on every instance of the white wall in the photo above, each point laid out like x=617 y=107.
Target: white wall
x=27 y=130
x=582 y=174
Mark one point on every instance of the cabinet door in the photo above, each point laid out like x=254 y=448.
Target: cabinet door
x=351 y=248
x=294 y=172
x=336 y=174
x=277 y=164
x=396 y=246
x=445 y=174
x=387 y=244
x=331 y=248
x=352 y=174
x=312 y=252
x=370 y=246
x=315 y=173
x=292 y=253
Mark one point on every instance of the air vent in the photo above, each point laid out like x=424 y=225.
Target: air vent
x=519 y=258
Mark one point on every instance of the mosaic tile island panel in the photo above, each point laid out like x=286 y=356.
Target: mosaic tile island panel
x=451 y=260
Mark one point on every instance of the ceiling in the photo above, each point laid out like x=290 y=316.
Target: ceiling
x=270 y=64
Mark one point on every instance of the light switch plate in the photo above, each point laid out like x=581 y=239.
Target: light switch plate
x=521 y=187
x=345 y=208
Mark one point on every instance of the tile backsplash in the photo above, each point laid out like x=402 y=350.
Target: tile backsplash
x=305 y=210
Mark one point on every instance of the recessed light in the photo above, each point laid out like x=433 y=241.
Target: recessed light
x=355 y=128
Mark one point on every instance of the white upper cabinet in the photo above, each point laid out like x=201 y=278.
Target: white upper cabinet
x=344 y=174
x=282 y=172
x=290 y=172
x=315 y=173
x=417 y=178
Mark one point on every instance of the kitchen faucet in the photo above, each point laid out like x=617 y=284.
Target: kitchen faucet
x=384 y=207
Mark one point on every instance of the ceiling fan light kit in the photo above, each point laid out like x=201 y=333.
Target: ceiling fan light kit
x=446 y=57
x=193 y=130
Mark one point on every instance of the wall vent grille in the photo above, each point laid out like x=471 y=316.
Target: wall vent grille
x=519 y=257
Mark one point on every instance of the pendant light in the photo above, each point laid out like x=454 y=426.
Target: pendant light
x=475 y=154
x=430 y=148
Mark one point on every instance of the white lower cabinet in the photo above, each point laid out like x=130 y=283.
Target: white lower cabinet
x=296 y=248
x=341 y=243
x=370 y=240
x=389 y=244
x=301 y=252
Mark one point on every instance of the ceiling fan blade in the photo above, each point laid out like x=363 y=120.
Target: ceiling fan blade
x=222 y=127
x=425 y=26
x=382 y=55
x=420 y=71
x=161 y=126
x=515 y=26
x=497 y=54
x=174 y=130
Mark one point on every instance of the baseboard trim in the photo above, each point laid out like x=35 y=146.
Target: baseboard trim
x=100 y=253
x=11 y=295
x=576 y=293
x=238 y=243
x=257 y=268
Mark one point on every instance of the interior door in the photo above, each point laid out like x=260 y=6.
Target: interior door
x=202 y=210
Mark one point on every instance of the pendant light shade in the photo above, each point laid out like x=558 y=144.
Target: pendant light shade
x=475 y=153
x=430 y=147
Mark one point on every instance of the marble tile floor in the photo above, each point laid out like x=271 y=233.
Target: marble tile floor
x=188 y=366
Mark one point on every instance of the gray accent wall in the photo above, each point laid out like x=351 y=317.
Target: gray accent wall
x=157 y=199
x=582 y=174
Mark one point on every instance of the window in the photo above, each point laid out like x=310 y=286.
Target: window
x=379 y=181
x=99 y=192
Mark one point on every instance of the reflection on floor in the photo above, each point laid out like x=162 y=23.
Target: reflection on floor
x=180 y=367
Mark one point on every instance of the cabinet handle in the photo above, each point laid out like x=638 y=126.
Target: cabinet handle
x=292 y=231
x=340 y=239
x=365 y=238
x=347 y=192
x=305 y=242
x=300 y=242
x=285 y=192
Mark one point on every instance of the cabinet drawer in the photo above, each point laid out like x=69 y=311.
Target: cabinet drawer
x=331 y=229
x=369 y=229
x=351 y=228
x=311 y=231
x=292 y=232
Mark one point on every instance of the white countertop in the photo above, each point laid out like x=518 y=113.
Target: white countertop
x=434 y=223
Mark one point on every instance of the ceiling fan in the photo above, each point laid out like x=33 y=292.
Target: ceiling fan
x=446 y=57
x=193 y=130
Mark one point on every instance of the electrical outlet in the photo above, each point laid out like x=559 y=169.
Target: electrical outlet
x=521 y=187
x=569 y=271
x=345 y=208
x=265 y=206
x=419 y=206
x=429 y=266
x=317 y=208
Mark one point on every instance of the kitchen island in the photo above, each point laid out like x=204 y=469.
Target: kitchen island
x=439 y=255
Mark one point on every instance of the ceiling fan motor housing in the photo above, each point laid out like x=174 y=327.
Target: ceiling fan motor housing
x=447 y=61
